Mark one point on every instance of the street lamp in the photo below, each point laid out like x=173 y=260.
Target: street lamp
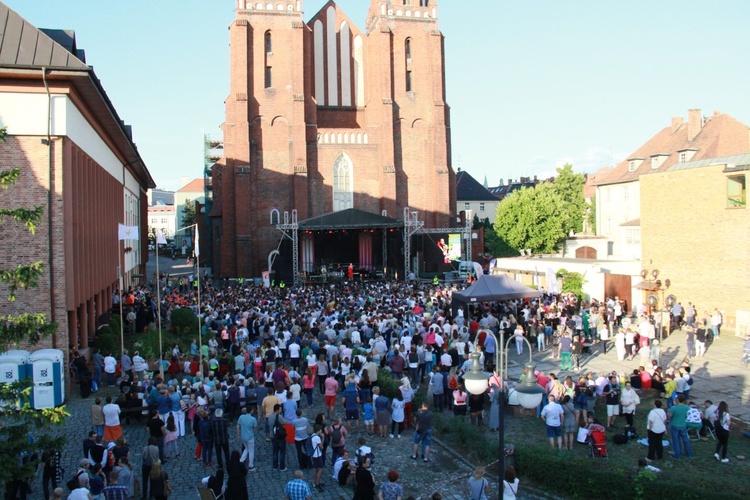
x=653 y=300
x=529 y=391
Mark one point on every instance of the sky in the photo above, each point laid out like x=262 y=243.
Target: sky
x=532 y=84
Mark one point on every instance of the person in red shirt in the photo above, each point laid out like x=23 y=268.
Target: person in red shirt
x=473 y=325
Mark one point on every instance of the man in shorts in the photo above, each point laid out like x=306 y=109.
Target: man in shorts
x=331 y=388
x=318 y=459
x=423 y=432
x=351 y=406
x=553 y=416
x=612 y=397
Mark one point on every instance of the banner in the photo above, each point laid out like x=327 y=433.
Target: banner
x=127 y=232
x=197 y=245
x=160 y=239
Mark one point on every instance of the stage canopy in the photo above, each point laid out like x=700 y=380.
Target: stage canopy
x=491 y=288
x=351 y=218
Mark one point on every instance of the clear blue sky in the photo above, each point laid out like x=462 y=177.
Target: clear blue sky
x=531 y=83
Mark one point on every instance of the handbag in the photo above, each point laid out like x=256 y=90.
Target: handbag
x=582 y=435
x=167 y=488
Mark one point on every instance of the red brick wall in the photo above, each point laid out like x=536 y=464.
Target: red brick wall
x=274 y=158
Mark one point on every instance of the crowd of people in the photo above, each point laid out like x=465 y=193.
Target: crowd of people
x=266 y=356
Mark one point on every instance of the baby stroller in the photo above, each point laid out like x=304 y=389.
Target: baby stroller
x=598 y=443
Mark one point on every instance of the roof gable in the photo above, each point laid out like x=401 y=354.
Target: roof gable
x=720 y=135
x=351 y=218
x=195 y=186
x=469 y=189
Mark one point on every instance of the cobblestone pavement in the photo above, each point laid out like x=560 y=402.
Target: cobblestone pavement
x=445 y=473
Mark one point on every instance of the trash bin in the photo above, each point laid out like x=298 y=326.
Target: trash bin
x=48 y=378
x=14 y=366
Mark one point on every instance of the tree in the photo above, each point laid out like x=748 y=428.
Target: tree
x=19 y=423
x=530 y=219
x=591 y=215
x=569 y=186
x=188 y=213
x=572 y=282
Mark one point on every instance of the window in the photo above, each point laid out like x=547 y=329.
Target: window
x=625 y=193
x=683 y=157
x=631 y=166
x=268 y=81
x=481 y=207
x=736 y=191
x=163 y=220
x=467 y=206
x=343 y=183
x=407 y=56
x=607 y=194
x=633 y=236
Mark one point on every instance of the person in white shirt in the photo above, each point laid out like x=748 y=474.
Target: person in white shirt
x=553 y=416
x=657 y=426
x=112 y=429
x=110 y=366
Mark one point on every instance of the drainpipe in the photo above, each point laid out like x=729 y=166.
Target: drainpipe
x=51 y=187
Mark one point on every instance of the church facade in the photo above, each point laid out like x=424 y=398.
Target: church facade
x=323 y=116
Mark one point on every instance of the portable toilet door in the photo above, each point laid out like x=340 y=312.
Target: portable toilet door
x=48 y=378
x=14 y=366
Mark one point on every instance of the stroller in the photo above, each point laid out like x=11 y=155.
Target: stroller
x=597 y=442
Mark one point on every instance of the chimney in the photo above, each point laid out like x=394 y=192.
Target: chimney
x=536 y=181
x=501 y=182
x=695 y=122
x=510 y=181
x=676 y=122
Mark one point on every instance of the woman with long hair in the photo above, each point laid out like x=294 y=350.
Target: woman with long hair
x=721 y=424
x=159 y=479
x=308 y=384
x=322 y=373
x=479 y=487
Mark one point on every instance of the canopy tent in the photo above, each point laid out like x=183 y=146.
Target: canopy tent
x=491 y=288
x=351 y=218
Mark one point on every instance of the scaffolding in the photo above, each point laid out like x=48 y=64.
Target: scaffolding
x=213 y=150
x=412 y=226
x=289 y=229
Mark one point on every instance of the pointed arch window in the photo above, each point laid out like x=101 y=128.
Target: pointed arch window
x=407 y=64
x=343 y=183
x=268 y=43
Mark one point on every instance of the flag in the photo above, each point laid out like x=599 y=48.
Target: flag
x=160 y=239
x=197 y=245
x=128 y=232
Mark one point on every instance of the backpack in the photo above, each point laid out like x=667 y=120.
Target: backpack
x=620 y=439
x=309 y=449
x=72 y=483
x=360 y=456
x=581 y=398
x=336 y=435
x=690 y=381
x=279 y=432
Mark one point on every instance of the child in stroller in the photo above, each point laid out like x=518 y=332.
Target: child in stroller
x=597 y=438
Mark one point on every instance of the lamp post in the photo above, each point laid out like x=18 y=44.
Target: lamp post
x=529 y=391
x=653 y=300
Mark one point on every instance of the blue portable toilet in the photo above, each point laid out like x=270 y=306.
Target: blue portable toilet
x=14 y=366
x=48 y=378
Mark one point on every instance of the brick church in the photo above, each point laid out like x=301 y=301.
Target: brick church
x=326 y=118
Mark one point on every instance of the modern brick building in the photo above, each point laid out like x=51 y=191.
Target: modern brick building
x=696 y=231
x=78 y=162
x=324 y=116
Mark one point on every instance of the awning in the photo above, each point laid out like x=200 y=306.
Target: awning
x=649 y=286
x=351 y=218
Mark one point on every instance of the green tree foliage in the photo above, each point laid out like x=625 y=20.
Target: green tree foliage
x=184 y=320
x=572 y=282
x=531 y=218
x=188 y=213
x=569 y=186
x=496 y=245
x=591 y=215
x=19 y=423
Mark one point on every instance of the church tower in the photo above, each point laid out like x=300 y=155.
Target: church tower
x=265 y=147
x=403 y=36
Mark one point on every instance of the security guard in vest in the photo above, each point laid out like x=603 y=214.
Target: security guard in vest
x=435 y=281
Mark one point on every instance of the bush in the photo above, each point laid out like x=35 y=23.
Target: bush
x=107 y=343
x=389 y=386
x=105 y=330
x=582 y=477
x=114 y=323
x=184 y=321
